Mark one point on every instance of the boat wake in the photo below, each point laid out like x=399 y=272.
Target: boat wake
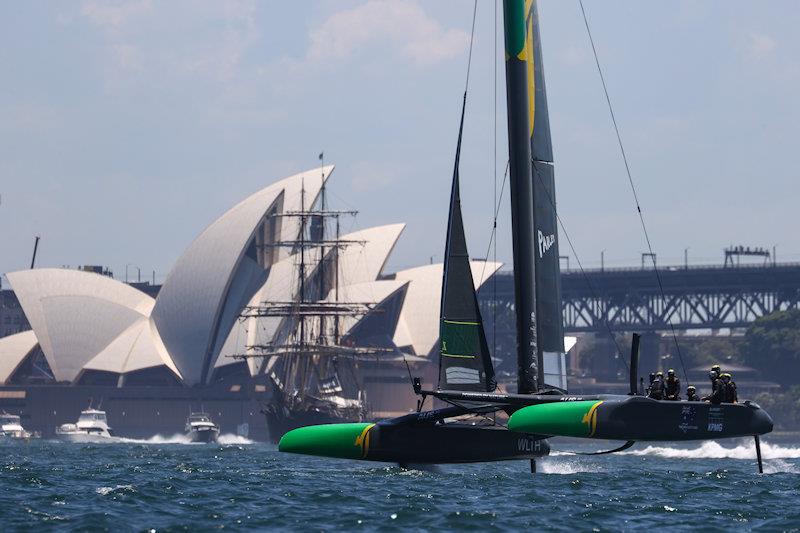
x=714 y=450
x=566 y=466
x=180 y=438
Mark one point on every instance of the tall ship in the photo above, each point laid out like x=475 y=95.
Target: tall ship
x=307 y=349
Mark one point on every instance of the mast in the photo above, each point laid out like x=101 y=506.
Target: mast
x=518 y=49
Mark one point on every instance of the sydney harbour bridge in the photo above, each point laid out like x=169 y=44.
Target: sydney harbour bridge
x=694 y=297
x=624 y=300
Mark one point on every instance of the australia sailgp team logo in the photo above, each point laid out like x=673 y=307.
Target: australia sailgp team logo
x=545 y=242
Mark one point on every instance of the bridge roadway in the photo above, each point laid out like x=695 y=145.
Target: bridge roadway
x=629 y=299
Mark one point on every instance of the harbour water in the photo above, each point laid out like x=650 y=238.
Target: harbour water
x=165 y=484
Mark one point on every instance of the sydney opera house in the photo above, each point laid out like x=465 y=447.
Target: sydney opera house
x=149 y=361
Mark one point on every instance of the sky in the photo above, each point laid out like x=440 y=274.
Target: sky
x=127 y=127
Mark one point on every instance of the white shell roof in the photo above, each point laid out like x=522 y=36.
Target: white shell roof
x=359 y=266
x=418 y=326
x=75 y=314
x=360 y=263
x=200 y=300
x=372 y=292
x=13 y=350
x=137 y=348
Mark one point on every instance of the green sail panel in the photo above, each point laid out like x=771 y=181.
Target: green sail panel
x=464 y=359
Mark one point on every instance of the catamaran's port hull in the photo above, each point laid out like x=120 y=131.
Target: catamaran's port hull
x=635 y=418
x=453 y=443
x=410 y=443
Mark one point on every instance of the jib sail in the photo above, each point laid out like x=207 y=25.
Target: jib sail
x=464 y=362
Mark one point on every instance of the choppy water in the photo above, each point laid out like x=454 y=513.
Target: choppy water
x=165 y=484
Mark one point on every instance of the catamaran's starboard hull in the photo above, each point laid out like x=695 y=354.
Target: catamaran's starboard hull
x=420 y=444
x=635 y=418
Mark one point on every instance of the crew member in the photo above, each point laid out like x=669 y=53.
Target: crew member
x=713 y=377
x=717 y=373
x=657 y=387
x=717 y=390
x=691 y=394
x=728 y=387
x=672 y=387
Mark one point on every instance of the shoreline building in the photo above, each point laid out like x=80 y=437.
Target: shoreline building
x=150 y=360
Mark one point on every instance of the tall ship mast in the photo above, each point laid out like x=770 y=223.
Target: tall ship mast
x=313 y=369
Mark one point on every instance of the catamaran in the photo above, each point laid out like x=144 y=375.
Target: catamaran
x=542 y=407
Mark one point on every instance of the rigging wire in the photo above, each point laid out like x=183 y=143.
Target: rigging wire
x=494 y=176
x=630 y=181
x=497 y=204
x=471 y=40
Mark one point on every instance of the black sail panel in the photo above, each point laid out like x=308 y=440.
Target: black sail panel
x=465 y=362
x=550 y=326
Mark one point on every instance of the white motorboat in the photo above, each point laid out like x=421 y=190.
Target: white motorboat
x=200 y=428
x=92 y=426
x=11 y=428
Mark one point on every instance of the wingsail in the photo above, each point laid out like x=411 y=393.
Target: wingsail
x=550 y=323
x=465 y=362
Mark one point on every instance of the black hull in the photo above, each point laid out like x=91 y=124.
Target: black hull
x=643 y=419
x=203 y=436
x=451 y=443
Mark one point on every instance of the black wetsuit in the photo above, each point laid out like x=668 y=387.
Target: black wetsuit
x=656 y=389
x=673 y=389
x=729 y=394
x=692 y=397
x=714 y=397
x=718 y=392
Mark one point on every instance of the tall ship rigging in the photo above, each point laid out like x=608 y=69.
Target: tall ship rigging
x=311 y=365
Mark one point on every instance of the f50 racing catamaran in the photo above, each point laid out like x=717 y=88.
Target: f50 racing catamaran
x=542 y=407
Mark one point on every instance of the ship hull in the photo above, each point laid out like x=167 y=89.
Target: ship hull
x=203 y=435
x=85 y=438
x=635 y=418
x=408 y=442
x=452 y=443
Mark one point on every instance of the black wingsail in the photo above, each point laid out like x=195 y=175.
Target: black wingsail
x=550 y=323
x=464 y=362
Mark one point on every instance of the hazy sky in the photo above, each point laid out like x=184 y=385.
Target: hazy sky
x=126 y=128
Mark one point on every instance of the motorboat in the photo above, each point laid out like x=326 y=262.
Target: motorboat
x=92 y=426
x=11 y=428
x=200 y=428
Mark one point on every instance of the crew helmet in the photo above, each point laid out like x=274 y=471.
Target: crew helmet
x=691 y=388
x=670 y=372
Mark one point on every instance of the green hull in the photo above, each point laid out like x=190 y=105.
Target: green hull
x=414 y=443
x=634 y=418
